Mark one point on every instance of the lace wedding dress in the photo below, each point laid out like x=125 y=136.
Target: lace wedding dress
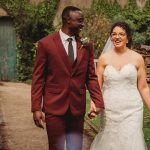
x=122 y=119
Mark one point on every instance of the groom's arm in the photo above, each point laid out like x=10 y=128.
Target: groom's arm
x=38 y=85
x=92 y=81
x=38 y=78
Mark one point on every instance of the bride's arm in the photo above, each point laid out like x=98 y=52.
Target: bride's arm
x=142 y=83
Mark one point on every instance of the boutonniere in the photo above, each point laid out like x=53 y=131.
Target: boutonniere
x=84 y=42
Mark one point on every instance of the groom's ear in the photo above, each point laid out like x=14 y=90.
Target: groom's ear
x=68 y=19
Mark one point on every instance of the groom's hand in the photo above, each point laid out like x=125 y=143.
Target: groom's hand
x=39 y=119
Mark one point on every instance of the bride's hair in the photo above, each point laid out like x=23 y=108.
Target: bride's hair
x=127 y=29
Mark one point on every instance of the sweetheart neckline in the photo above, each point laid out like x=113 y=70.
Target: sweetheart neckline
x=119 y=70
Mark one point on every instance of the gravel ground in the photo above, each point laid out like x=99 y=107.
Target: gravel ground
x=17 y=130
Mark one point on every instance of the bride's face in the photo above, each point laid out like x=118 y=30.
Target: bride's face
x=119 y=37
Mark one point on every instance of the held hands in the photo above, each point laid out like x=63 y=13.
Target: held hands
x=39 y=119
x=93 y=110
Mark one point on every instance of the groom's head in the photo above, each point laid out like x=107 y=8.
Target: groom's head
x=72 y=19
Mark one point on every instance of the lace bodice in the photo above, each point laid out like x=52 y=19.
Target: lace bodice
x=120 y=92
x=120 y=79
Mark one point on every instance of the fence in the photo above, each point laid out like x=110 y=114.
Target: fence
x=147 y=66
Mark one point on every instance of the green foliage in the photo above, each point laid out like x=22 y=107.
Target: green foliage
x=31 y=23
x=146 y=127
x=97 y=29
x=138 y=19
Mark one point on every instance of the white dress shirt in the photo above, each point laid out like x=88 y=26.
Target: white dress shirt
x=64 y=38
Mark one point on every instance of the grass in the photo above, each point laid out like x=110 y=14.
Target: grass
x=146 y=122
x=146 y=127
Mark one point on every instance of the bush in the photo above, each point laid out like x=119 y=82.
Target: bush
x=138 y=19
x=97 y=29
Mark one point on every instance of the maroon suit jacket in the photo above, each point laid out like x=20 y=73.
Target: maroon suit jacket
x=57 y=84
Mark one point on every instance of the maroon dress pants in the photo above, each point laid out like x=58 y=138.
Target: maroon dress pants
x=66 y=130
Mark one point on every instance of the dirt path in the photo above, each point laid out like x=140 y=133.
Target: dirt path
x=17 y=130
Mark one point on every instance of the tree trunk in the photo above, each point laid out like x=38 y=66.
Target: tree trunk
x=63 y=3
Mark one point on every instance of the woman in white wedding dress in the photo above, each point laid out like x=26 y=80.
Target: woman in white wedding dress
x=122 y=77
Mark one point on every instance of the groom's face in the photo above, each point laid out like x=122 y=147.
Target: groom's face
x=75 y=22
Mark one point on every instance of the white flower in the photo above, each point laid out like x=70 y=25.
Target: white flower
x=84 y=41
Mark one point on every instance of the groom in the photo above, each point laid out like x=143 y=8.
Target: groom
x=63 y=69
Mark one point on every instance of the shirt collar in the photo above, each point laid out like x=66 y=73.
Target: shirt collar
x=65 y=36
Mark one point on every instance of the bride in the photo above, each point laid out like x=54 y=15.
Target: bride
x=122 y=76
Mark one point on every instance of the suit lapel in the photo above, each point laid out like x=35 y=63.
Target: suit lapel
x=80 y=52
x=62 y=53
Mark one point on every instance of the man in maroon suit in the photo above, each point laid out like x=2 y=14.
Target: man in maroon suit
x=63 y=69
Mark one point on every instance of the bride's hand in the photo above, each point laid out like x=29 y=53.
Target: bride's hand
x=92 y=106
x=93 y=110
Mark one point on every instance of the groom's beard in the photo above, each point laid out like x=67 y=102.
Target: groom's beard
x=76 y=31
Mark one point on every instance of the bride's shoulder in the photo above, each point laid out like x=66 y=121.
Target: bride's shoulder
x=105 y=55
x=103 y=58
x=137 y=57
x=136 y=54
